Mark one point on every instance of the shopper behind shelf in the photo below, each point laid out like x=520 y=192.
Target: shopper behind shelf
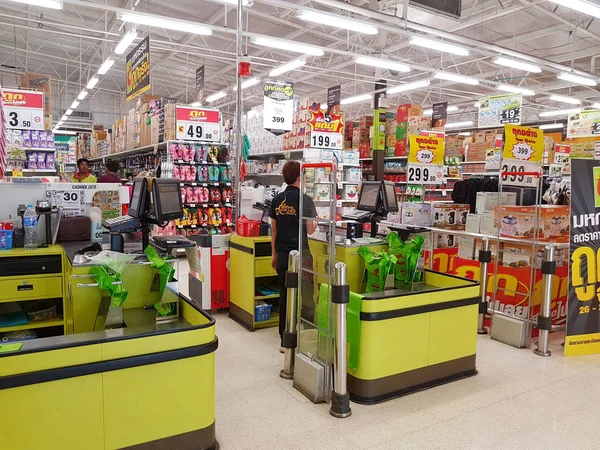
x=285 y=222
x=112 y=167
x=84 y=175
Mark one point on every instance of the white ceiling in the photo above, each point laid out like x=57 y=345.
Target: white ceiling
x=70 y=45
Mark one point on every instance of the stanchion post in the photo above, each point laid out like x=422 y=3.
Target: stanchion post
x=544 y=320
x=290 y=335
x=485 y=257
x=340 y=297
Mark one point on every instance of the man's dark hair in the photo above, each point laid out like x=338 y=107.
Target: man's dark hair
x=291 y=172
x=82 y=160
x=113 y=166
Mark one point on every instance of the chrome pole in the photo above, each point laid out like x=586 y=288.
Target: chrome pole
x=340 y=297
x=485 y=257
x=290 y=335
x=544 y=320
x=239 y=107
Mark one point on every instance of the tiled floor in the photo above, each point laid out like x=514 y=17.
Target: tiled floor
x=518 y=400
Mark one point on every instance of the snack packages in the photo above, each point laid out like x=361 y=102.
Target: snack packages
x=378 y=266
x=407 y=255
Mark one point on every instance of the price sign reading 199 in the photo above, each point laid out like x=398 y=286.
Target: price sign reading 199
x=326 y=140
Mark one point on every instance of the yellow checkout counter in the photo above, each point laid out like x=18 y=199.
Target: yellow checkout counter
x=145 y=384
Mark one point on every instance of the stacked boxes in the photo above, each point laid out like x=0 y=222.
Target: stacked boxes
x=450 y=215
x=299 y=137
x=409 y=120
x=361 y=134
x=261 y=140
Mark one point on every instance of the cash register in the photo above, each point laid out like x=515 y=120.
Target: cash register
x=158 y=206
x=376 y=199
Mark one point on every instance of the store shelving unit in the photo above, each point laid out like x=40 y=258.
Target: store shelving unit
x=134 y=151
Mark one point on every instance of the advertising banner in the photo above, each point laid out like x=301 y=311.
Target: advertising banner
x=24 y=109
x=498 y=110
x=425 y=159
x=138 y=69
x=200 y=84
x=440 y=115
x=198 y=124
x=278 y=112
x=583 y=316
x=523 y=151
x=334 y=97
x=584 y=124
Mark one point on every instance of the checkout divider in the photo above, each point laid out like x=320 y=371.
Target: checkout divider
x=112 y=364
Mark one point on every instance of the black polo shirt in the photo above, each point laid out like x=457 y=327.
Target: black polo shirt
x=285 y=210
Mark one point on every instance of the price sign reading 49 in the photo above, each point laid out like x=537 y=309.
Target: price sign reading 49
x=198 y=124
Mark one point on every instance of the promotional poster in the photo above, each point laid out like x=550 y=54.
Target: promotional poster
x=439 y=116
x=138 y=69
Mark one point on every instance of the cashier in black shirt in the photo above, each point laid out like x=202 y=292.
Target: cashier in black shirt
x=285 y=223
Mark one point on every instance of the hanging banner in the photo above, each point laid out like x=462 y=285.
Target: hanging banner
x=138 y=69
x=583 y=312
x=498 y=110
x=24 y=109
x=278 y=111
x=562 y=157
x=584 y=124
x=523 y=151
x=439 y=116
x=198 y=124
x=200 y=84
x=334 y=98
x=425 y=160
x=326 y=131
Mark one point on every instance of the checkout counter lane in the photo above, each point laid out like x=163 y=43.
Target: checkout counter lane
x=110 y=372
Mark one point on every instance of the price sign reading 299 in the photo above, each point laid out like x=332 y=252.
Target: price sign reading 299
x=198 y=124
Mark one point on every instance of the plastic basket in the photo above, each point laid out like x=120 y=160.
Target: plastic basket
x=262 y=312
x=246 y=227
x=6 y=239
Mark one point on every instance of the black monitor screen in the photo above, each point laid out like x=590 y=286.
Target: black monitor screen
x=390 y=203
x=369 y=196
x=136 y=204
x=167 y=199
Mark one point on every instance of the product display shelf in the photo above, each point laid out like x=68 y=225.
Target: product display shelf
x=250 y=265
x=276 y=154
x=132 y=152
x=34 y=325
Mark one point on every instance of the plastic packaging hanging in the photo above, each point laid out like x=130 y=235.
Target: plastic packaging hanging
x=378 y=266
x=407 y=254
x=108 y=270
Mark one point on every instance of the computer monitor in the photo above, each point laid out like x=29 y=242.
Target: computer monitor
x=167 y=199
x=388 y=196
x=370 y=196
x=138 y=203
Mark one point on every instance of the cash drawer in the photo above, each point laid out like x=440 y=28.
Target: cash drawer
x=35 y=288
x=30 y=265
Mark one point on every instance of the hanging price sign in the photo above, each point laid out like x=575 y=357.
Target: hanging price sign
x=498 y=110
x=24 y=109
x=425 y=159
x=278 y=111
x=326 y=131
x=521 y=156
x=198 y=124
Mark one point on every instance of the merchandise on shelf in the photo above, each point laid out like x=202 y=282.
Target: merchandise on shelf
x=30 y=149
x=261 y=140
x=450 y=215
x=299 y=137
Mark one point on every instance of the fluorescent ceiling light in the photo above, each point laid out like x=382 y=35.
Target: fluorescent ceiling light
x=215 y=97
x=596 y=106
x=289 y=45
x=83 y=94
x=356 y=99
x=163 y=22
x=476 y=104
x=457 y=78
x=519 y=65
x=581 y=6
x=464 y=133
x=125 y=41
x=337 y=22
x=106 y=65
x=382 y=63
x=429 y=112
x=287 y=67
x=64 y=118
x=71 y=133
x=196 y=104
x=440 y=46
x=467 y=123
x=92 y=83
x=234 y=2
x=408 y=87
x=585 y=81
x=551 y=126
x=560 y=98
x=52 y=4
x=68 y=112
x=75 y=104
x=560 y=112
x=515 y=89
x=248 y=83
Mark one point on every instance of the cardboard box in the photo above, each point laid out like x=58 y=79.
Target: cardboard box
x=516 y=255
x=487 y=223
x=487 y=201
x=518 y=221
x=170 y=110
x=450 y=215
x=556 y=222
x=390 y=140
x=414 y=213
x=365 y=122
x=446 y=241
x=400 y=148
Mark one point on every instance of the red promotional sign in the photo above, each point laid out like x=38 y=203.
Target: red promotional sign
x=24 y=109
x=198 y=124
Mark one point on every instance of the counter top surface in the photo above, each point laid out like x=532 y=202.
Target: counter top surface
x=70 y=248
x=349 y=243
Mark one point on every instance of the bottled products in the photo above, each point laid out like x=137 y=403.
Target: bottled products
x=30 y=226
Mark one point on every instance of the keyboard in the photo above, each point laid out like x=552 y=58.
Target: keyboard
x=174 y=241
x=122 y=224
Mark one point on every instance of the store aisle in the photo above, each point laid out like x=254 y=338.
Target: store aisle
x=517 y=400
